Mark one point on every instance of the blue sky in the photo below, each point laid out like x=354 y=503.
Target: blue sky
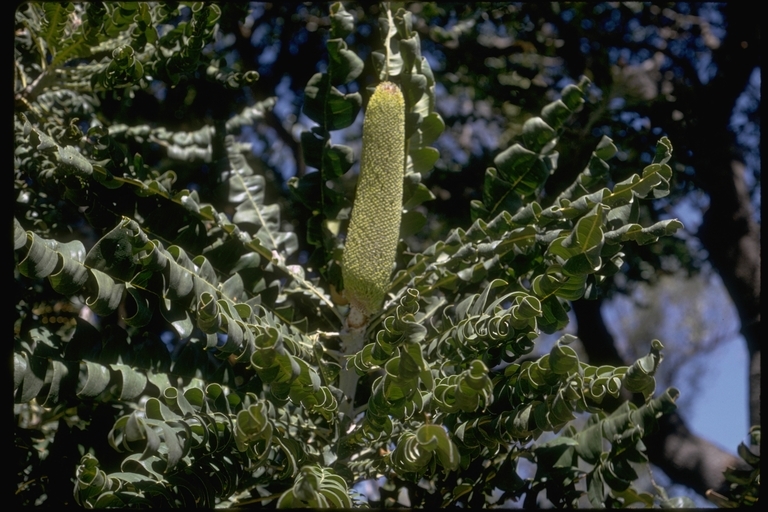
x=699 y=327
x=719 y=412
x=715 y=405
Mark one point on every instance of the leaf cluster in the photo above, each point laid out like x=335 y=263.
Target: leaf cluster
x=744 y=484
x=251 y=402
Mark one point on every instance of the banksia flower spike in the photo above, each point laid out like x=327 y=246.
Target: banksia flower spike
x=374 y=227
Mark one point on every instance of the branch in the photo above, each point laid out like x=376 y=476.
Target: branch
x=685 y=457
x=689 y=459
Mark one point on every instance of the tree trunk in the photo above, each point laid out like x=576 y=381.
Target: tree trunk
x=688 y=459
x=731 y=235
x=729 y=231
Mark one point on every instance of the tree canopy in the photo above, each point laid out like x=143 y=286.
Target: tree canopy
x=184 y=176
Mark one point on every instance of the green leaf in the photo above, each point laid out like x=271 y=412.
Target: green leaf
x=498 y=194
x=596 y=491
x=104 y=294
x=581 y=249
x=572 y=94
x=29 y=375
x=133 y=382
x=312 y=146
x=537 y=135
x=562 y=358
x=678 y=502
x=411 y=223
x=70 y=278
x=39 y=261
x=247 y=190
x=522 y=168
x=72 y=162
x=328 y=107
x=19 y=235
x=97 y=380
x=655 y=178
x=337 y=159
x=641 y=235
x=178 y=317
x=415 y=194
x=423 y=160
x=555 y=114
x=342 y=22
x=430 y=128
x=606 y=149
x=113 y=254
x=344 y=65
x=141 y=305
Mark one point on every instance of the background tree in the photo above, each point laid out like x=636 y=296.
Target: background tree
x=178 y=135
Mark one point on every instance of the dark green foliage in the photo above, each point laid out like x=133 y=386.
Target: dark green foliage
x=246 y=407
x=744 y=484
